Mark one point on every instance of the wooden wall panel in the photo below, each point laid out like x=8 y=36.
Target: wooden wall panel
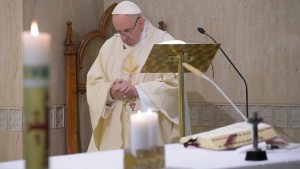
x=11 y=88
x=52 y=17
x=10 y=53
x=261 y=37
x=16 y=16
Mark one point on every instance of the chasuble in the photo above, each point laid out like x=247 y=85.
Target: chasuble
x=110 y=119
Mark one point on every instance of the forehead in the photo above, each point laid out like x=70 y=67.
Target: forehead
x=122 y=22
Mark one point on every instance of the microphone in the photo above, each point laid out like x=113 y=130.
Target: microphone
x=202 y=31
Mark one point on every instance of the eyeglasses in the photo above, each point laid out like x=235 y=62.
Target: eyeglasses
x=127 y=32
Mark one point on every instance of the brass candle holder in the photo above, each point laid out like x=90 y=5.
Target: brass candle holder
x=151 y=158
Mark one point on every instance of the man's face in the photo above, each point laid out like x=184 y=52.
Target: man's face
x=129 y=27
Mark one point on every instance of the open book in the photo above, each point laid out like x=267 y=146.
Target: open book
x=229 y=137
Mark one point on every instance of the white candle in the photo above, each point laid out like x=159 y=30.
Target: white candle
x=36 y=46
x=153 y=128
x=139 y=132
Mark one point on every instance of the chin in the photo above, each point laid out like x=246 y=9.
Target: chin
x=130 y=44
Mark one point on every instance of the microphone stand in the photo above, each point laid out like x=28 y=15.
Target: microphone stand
x=202 y=31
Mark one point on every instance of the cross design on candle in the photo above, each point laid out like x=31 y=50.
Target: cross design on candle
x=37 y=126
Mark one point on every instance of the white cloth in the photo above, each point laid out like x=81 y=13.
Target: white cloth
x=145 y=102
x=176 y=157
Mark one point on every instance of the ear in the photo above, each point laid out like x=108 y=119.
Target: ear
x=143 y=20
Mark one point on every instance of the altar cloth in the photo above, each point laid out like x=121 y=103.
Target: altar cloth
x=177 y=157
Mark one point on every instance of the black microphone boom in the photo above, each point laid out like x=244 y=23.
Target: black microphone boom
x=202 y=31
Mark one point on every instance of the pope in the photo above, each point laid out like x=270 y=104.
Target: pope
x=116 y=88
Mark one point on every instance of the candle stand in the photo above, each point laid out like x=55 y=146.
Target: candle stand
x=152 y=158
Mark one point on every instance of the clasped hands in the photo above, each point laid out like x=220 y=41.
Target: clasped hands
x=121 y=90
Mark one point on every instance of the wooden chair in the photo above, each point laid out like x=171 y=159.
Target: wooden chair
x=78 y=62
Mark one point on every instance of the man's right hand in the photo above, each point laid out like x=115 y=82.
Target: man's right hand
x=115 y=94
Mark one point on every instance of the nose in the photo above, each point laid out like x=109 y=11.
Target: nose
x=124 y=37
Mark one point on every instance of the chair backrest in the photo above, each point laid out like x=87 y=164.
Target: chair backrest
x=78 y=63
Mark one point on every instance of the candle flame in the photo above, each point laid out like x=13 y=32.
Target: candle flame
x=34 y=28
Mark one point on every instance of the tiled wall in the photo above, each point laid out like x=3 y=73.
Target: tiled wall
x=57 y=117
x=12 y=118
x=281 y=116
x=202 y=114
x=206 y=116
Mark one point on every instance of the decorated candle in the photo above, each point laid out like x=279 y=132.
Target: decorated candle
x=36 y=49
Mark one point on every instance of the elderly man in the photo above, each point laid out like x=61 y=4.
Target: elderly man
x=116 y=88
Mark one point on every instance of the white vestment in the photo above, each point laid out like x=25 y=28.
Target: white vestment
x=110 y=120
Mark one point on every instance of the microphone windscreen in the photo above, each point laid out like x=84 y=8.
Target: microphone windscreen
x=201 y=30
